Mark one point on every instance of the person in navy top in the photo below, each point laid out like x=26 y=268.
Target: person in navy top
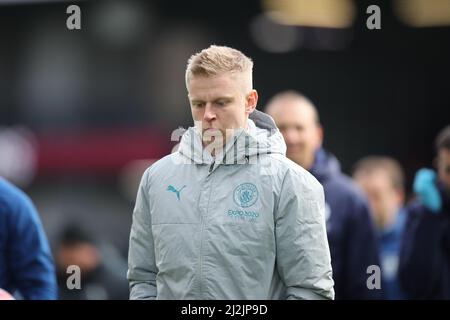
x=350 y=229
x=425 y=255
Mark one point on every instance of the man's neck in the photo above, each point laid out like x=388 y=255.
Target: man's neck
x=305 y=163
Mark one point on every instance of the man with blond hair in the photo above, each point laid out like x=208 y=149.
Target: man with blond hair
x=227 y=215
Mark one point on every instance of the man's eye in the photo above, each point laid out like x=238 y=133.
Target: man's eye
x=221 y=103
x=197 y=104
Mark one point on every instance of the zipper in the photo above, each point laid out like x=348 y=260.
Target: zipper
x=202 y=231
x=201 y=258
x=211 y=167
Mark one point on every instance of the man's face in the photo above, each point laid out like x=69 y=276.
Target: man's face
x=384 y=199
x=84 y=255
x=443 y=163
x=303 y=136
x=220 y=104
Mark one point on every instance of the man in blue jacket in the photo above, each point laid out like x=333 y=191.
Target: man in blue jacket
x=26 y=264
x=351 y=233
x=425 y=255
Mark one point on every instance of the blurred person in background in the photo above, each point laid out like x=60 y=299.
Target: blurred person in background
x=99 y=278
x=425 y=255
x=211 y=220
x=351 y=233
x=382 y=180
x=26 y=264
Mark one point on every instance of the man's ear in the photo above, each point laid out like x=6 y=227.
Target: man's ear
x=400 y=196
x=252 y=101
x=320 y=133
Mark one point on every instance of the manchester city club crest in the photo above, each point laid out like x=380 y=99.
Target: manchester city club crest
x=245 y=195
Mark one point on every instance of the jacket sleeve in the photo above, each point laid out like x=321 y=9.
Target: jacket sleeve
x=142 y=268
x=303 y=255
x=422 y=258
x=30 y=255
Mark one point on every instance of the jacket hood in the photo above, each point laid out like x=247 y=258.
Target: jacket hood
x=325 y=165
x=261 y=137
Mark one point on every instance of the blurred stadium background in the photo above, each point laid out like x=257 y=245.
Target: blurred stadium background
x=84 y=112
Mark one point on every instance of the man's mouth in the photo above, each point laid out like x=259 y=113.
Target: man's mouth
x=211 y=131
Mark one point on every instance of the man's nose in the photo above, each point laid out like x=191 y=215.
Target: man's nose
x=209 y=114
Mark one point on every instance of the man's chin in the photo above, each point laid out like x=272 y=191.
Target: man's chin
x=294 y=156
x=211 y=135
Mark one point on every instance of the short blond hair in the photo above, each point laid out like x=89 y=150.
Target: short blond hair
x=218 y=60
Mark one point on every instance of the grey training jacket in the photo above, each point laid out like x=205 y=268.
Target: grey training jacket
x=247 y=224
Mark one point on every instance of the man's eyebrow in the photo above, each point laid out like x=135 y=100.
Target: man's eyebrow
x=224 y=98
x=229 y=98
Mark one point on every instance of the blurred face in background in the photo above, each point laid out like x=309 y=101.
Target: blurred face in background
x=220 y=104
x=443 y=165
x=385 y=200
x=83 y=255
x=297 y=121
